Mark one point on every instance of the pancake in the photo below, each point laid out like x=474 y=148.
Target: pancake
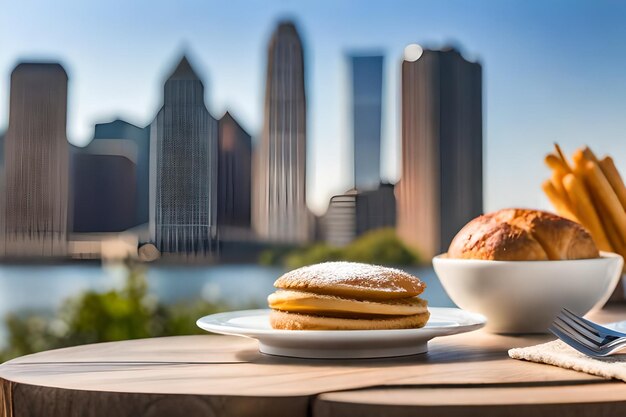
x=295 y=321
x=352 y=280
x=328 y=305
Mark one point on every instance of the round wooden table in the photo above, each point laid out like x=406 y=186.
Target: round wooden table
x=462 y=375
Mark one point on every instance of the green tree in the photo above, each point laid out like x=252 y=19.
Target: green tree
x=381 y=246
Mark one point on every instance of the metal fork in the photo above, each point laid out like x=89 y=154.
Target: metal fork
x=586 y=336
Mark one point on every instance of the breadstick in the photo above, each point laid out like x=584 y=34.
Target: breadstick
x=604 y=194
x=560 y=154
x=589 y=155
x=585 y=211
x=557 y=182
x=556 y=199
x=612 y=174
x=555 y=163
x=579 y=163
x=611 y=231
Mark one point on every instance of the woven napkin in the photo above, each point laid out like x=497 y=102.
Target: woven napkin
x=557 y=353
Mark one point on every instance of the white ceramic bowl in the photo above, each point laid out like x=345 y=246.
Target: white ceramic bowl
x=525 y=296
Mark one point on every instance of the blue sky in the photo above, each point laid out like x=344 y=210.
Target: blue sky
x=553 y=70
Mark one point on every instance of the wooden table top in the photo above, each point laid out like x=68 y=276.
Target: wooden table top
x=467 y=374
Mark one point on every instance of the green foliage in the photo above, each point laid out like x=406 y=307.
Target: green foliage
x=380 y=247
x=275 y=255
x=312 y=255
x=129 y=313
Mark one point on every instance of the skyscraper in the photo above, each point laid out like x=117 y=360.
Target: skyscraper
x=280 y=212
x=36 y=154
x=366 y=111
x=234 y=174
x=441 y=187
x=371 y=204
x=183 y=168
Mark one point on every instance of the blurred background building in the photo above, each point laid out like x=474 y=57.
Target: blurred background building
x=375 y=208
x=371 y=204
x=2 y=194
x=366 y=103
x=183 y=163
x=441 y=187
x=36 y=152
x=234 y=189
x=280 y=213
x=110 y=179
x=354 y=213
x=339 y=222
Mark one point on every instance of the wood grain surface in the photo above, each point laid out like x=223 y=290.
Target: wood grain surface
x=468 y=374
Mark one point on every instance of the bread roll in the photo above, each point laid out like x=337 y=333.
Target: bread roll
x=522 y=235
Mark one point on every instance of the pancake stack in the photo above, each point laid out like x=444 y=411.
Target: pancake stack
x=347 y=296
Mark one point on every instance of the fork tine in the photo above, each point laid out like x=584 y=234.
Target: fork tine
x=588 y=350
x=581 y=329
x=601 y=330
x=571 y=342
x=576 y=334
x=579 y=320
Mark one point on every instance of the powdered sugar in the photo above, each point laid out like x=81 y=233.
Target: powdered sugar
x=357 y=276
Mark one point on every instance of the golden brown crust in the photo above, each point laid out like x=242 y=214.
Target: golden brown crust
x=293 y=321
x=352 y=280
x=522 y=235
x=328 y=305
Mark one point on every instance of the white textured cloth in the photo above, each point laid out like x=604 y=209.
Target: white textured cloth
x=558 y=353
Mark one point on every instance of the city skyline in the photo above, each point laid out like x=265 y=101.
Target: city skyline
x=536 y=90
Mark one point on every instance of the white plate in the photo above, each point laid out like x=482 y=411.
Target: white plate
x=341 y=343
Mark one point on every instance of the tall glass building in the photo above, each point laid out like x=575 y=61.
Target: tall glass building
x=183 y=168
x=366 y=111
x=37 y=163
x=441 y=187
x=280 y=213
